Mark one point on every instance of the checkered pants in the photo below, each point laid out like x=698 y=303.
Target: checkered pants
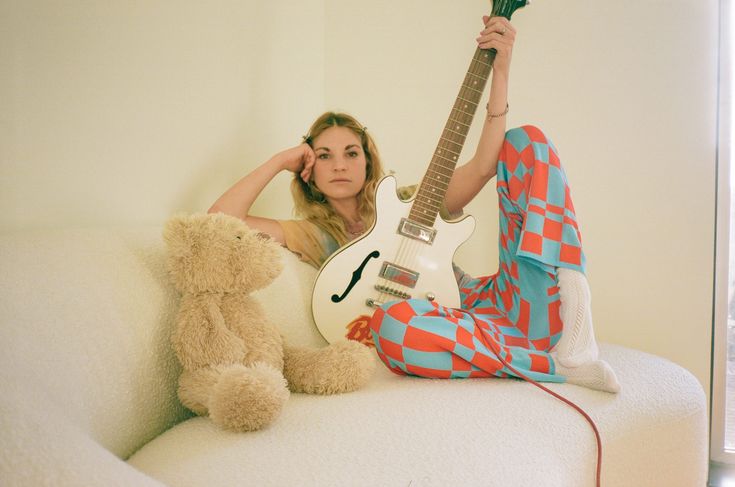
x=516 y=310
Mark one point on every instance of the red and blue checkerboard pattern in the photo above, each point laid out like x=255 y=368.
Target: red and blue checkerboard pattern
x=515 y=311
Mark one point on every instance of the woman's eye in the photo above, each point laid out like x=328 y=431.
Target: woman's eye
x=323 y=155
x=353 y=154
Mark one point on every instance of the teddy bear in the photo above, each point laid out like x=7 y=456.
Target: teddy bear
x=237 y=369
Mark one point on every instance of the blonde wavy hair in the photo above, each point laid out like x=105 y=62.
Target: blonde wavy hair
x=311 y=204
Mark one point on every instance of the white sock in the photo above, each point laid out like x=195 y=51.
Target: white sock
x=577 y=344
x=597 y=375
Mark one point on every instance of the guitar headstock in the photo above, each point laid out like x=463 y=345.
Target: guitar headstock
x=505 y=8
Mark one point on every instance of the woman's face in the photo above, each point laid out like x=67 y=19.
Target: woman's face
x=340 y=167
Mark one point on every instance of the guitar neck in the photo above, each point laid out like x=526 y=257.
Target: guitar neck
x=433 y=187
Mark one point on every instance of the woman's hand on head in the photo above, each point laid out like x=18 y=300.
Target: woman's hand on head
x=500 y=35
x=299 y=160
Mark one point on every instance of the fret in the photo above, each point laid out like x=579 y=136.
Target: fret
x=468 y=101
x=484 y=64
x=456 y=140
x=478 y=75
x=436 y=193
x=450 y=145
x=455 y=137
x=441 y=152
x=451 y=166
x=474 y=80
x=435 y=188
x=442 y=165
x=428 y=211
x=469 y=97
x=440 y=185
x=438 y=175
x=461 y=122
x=441 y=182
x=453 y=143
x=429 y=222
x=472 y=111
x=457 y=120
x=430 y=215
x=428 y=204
x=465 y=115
x=447 y=172
x=471 y=88
x=461 y=135
x=461 y=116
x=426 y=215
x=464 y=109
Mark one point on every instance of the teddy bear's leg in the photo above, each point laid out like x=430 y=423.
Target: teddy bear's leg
x=236 y=397
x=341 y=367
x=195 y=387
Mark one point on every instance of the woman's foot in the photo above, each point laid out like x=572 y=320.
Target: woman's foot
x=577 y=345
x=597 y=375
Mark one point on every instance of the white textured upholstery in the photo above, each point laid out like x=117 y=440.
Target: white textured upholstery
x=407 y=431
x=88 y=377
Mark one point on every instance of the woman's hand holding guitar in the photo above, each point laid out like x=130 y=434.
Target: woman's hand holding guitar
x=500 y=35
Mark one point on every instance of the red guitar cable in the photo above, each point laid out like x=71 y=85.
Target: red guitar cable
x=558 y=396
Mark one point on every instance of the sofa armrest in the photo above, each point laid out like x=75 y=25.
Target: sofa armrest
x=42 y=447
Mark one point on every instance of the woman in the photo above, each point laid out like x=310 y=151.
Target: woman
x=534 y=313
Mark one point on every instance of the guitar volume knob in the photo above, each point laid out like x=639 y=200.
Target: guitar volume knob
x=373 y=303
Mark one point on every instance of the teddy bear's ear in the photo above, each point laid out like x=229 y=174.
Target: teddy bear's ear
x=174 y=231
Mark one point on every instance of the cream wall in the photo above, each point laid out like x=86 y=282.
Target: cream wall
x=121 y=113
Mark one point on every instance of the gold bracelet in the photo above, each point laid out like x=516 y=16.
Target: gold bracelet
x=490 y=116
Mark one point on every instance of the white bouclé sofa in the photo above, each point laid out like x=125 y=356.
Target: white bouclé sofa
x=88 y=383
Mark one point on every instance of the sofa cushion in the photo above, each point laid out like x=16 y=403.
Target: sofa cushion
x=288 y=302
x=423 y=432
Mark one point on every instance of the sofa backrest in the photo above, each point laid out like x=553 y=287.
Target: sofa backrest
x=85 y=321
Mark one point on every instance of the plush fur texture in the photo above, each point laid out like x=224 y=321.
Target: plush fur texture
x=236 y=367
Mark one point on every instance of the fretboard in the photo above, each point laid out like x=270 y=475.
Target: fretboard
x=433 y=187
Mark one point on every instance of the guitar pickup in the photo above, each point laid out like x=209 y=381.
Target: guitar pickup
x=399 y=275
x=416 y=231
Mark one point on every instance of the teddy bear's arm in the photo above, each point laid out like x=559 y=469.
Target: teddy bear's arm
x=202 y=338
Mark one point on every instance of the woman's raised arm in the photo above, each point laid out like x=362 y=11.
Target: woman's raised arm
x=471 y=177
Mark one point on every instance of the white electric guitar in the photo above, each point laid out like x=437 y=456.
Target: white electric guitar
x=408 y=251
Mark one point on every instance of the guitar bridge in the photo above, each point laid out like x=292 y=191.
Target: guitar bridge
x=416 y=231
x=393 y=292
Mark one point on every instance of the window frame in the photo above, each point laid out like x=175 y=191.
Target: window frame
x=718 y=392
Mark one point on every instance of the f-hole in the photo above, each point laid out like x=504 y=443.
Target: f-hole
x=356 y=276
